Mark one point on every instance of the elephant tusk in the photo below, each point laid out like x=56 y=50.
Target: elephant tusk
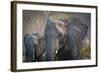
x=44 y=54
x=56 y=51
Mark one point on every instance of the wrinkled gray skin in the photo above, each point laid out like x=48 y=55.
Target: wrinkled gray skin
x=52 y=35
x=34 y=45
x=75 y=34
x=76 y=30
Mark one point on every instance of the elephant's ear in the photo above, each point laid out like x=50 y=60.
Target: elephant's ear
x=76 y=32
x=60 y=27
x=35 y=39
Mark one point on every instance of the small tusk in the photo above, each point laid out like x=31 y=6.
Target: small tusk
x=44 y=54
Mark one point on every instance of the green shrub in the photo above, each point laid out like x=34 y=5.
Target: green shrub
x=85 y=53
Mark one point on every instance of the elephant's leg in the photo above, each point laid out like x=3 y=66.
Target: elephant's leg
x=71 y=48
x=74 y=54
x=42 y=57
x=29 y=54
x=75 y=50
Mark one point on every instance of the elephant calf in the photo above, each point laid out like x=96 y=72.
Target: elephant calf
x=34 y=47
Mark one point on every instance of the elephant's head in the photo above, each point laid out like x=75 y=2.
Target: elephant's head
x=32 y=46
x=55 y=30
x=29 y=48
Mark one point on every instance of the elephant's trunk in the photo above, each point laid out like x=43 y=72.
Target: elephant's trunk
x=50 y=35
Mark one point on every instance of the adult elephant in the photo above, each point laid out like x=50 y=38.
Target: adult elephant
x=54 y=33
x=64 y=39
x=34 y=47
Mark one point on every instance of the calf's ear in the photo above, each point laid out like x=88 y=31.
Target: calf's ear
x=35 y=40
